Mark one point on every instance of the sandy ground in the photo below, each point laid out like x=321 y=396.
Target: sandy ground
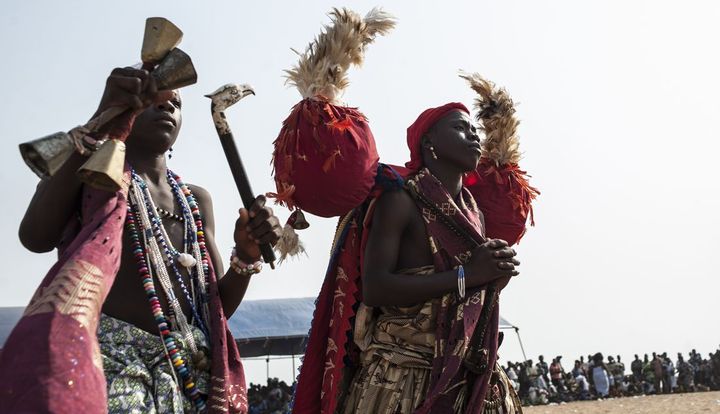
x=701 y=402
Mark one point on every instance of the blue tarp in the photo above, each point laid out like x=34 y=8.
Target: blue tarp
x=272 y=326
x=260 y=327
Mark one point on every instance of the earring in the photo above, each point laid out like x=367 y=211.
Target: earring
x=171 y=150
x=432 y=152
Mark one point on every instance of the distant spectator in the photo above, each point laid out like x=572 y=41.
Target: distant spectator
x=599 y=376
x=670 y=377
x=617 y=371
x=586 y=367
x=648 y=376
x=583 y=385
x=524 y=379
x=610 y=368
x=511 y=372
x=543 y=369
x=686 y=375
x=659 y=373
x=636 y=367
x=556 y=375
x=621 y=366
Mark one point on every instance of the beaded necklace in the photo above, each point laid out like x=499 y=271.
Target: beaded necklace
x=177 y=318
x=169 y=215
x=172 y=255
x=147 y=234
x=196 y=241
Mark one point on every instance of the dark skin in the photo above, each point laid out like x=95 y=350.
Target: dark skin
x=155 y=130
x=398 y=238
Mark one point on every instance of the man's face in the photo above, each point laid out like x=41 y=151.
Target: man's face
x=157 y=127
x=455 y=141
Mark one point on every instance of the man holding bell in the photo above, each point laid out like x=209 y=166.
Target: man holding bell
x=162 y=336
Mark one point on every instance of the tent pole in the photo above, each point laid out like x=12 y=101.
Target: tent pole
x=292 y=377
x=267 y=368
x=517 y=331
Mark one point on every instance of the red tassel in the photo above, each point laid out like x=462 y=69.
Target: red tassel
x=330 y=162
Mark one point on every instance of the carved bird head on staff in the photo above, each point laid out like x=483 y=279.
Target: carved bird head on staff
x=229 y=94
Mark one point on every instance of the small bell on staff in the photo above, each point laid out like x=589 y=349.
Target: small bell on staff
x=289 y=243
x=297 y=220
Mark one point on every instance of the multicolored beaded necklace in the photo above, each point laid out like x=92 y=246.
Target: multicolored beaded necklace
x=147 y=234
x=174 y=257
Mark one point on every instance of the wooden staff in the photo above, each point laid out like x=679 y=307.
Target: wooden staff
x=222 y=98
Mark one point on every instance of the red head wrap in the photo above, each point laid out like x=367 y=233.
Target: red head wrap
x=426 y=120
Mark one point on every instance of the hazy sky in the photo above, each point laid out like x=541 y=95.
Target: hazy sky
x=619 y=107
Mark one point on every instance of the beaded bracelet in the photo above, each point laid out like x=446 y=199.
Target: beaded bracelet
x=242 y=268
x=461 y=281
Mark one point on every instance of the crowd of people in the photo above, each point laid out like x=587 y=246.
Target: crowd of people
x=539 y=383
x=599 y=377
x=273 y=398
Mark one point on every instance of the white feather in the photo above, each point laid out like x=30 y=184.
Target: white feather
x=322 y=69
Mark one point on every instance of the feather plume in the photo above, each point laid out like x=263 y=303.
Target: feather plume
x=322 y=68
x=496 y=114
x=289 y=244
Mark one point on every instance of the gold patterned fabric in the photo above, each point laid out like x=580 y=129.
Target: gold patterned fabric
x=397 y=347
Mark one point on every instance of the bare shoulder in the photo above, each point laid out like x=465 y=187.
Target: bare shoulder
x=201 y=194
x=204 y=200
x=395 y=198
x=395 y=207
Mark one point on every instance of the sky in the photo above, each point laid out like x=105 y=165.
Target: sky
x=618 y=102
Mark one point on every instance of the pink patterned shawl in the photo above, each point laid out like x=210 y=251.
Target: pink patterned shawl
x=51 y=362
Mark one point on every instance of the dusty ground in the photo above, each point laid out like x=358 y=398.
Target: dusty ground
x=701 y=402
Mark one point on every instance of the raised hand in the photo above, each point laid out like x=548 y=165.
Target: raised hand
x=132 y=88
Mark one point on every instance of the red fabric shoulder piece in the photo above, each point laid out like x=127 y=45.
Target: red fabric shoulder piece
x=504 y=196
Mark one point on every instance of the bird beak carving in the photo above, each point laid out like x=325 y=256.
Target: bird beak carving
x=247 y=92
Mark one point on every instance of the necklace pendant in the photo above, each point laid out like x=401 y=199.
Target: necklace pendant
x=186 y=260
x=201 y=360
